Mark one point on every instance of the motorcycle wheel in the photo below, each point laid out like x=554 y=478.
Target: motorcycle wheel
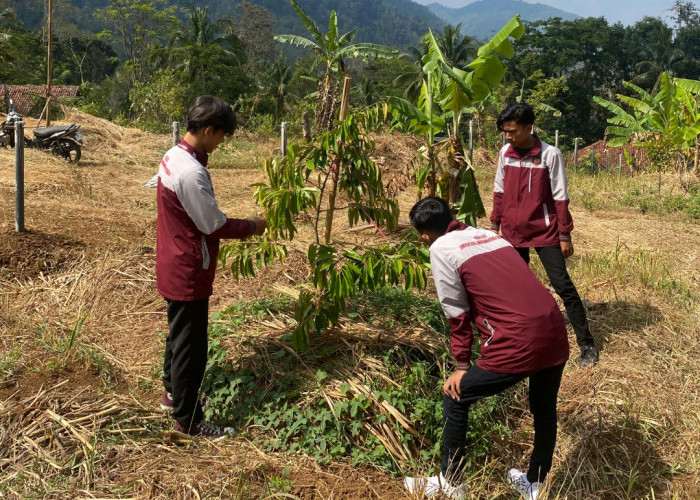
x=68 y=149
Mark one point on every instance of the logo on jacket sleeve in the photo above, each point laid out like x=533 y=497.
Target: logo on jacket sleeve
x=164 y=165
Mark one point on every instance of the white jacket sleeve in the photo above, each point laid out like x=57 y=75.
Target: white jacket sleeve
x=196 y=193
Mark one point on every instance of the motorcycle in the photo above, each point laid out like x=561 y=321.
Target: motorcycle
x=64 y=141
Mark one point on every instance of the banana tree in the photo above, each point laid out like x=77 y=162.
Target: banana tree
x=671 y=117
x=449 y=92
x=331 y=50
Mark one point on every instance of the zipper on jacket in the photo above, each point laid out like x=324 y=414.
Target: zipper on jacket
x=205 y=253
x=491 y=329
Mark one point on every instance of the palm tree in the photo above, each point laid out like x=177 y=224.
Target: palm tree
x=331 y=51
x=279 y=78
x=413 y=80
x=659 y=55
x=458 y=50
x=194 y=41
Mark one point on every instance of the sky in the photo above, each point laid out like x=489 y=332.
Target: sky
x=626 y=11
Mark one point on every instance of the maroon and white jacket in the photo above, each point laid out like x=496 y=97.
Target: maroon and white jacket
x=530 y=199
x=481 y=280
x=190 y=226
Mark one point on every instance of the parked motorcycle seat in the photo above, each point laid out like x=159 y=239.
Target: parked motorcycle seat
x=49 y=131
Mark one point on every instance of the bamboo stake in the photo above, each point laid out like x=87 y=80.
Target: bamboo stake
x=335 y=169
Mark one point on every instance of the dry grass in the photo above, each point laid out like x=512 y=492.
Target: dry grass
x=82 y=327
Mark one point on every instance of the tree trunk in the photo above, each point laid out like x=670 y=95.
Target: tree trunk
x=456 y=165
x=328 y=103
x=306 y=126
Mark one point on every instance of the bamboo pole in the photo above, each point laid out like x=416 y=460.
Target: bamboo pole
x=335 y=168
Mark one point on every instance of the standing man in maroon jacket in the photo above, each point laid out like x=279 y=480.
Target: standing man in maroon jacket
x=482 y=281
x=189 y=228
x=531 y=208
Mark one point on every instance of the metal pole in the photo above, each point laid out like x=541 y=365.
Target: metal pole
x=471 y=140
x=556 y=138
x=607 y=160
x=19 y=177
x=176 y=133
x=285 y=128
x=592 y=159
x=48 y=66
x=575 y=152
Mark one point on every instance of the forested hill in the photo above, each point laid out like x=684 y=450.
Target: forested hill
x=396 y=23
x=485 y=17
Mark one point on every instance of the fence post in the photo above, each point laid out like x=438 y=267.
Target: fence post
x=471 y=140
x=619 y=164
x=285 y=128
x=556 y=138
x=176 y=133
x=19 y=177
x=607 y=161
x=592 y=159
x=575 y=152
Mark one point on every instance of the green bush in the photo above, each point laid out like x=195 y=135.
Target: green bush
x=693 y=205
x=283 y=397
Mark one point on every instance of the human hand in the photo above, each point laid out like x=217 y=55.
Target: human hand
x=451 y=387
x=260 y=225
x=567 y=248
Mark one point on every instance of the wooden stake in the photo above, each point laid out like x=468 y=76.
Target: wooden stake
x=335 y=169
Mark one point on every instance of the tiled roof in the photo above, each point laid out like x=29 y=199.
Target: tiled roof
x=26 y=97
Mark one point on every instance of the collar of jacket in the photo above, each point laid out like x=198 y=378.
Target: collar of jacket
x=202 y=158
x=456 y=225
x=534 y=151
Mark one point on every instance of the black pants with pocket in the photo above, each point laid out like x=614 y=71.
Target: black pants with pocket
x=554 y=264
x=186 y=358
x=477 y=384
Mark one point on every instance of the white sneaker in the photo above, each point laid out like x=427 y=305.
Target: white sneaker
x=529 y=491
x=431 y=487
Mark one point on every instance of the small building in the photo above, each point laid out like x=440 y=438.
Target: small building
x=29 y=100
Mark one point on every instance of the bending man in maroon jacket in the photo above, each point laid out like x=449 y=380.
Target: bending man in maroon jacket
x=482 y=281
x=531 y=208
x=189 y=228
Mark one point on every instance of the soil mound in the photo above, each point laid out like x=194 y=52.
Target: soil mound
x=26 y=255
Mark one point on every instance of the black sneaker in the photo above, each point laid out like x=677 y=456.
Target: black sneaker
x=589 y=356
x=205 y=429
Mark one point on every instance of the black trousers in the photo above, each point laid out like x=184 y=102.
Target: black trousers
x=186 y=358
x=478 y=383
x=554 y=264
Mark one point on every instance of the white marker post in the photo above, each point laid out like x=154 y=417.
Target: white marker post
x=283 y=138
x=176 y=133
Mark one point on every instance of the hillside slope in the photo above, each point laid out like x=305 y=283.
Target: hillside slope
x=485 y=17
x=396 y=23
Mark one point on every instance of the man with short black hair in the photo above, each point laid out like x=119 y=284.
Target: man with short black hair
x=189 y=228
x=482 y=281
x=531 y=209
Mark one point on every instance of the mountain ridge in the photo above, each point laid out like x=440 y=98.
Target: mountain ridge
x=483 y=18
